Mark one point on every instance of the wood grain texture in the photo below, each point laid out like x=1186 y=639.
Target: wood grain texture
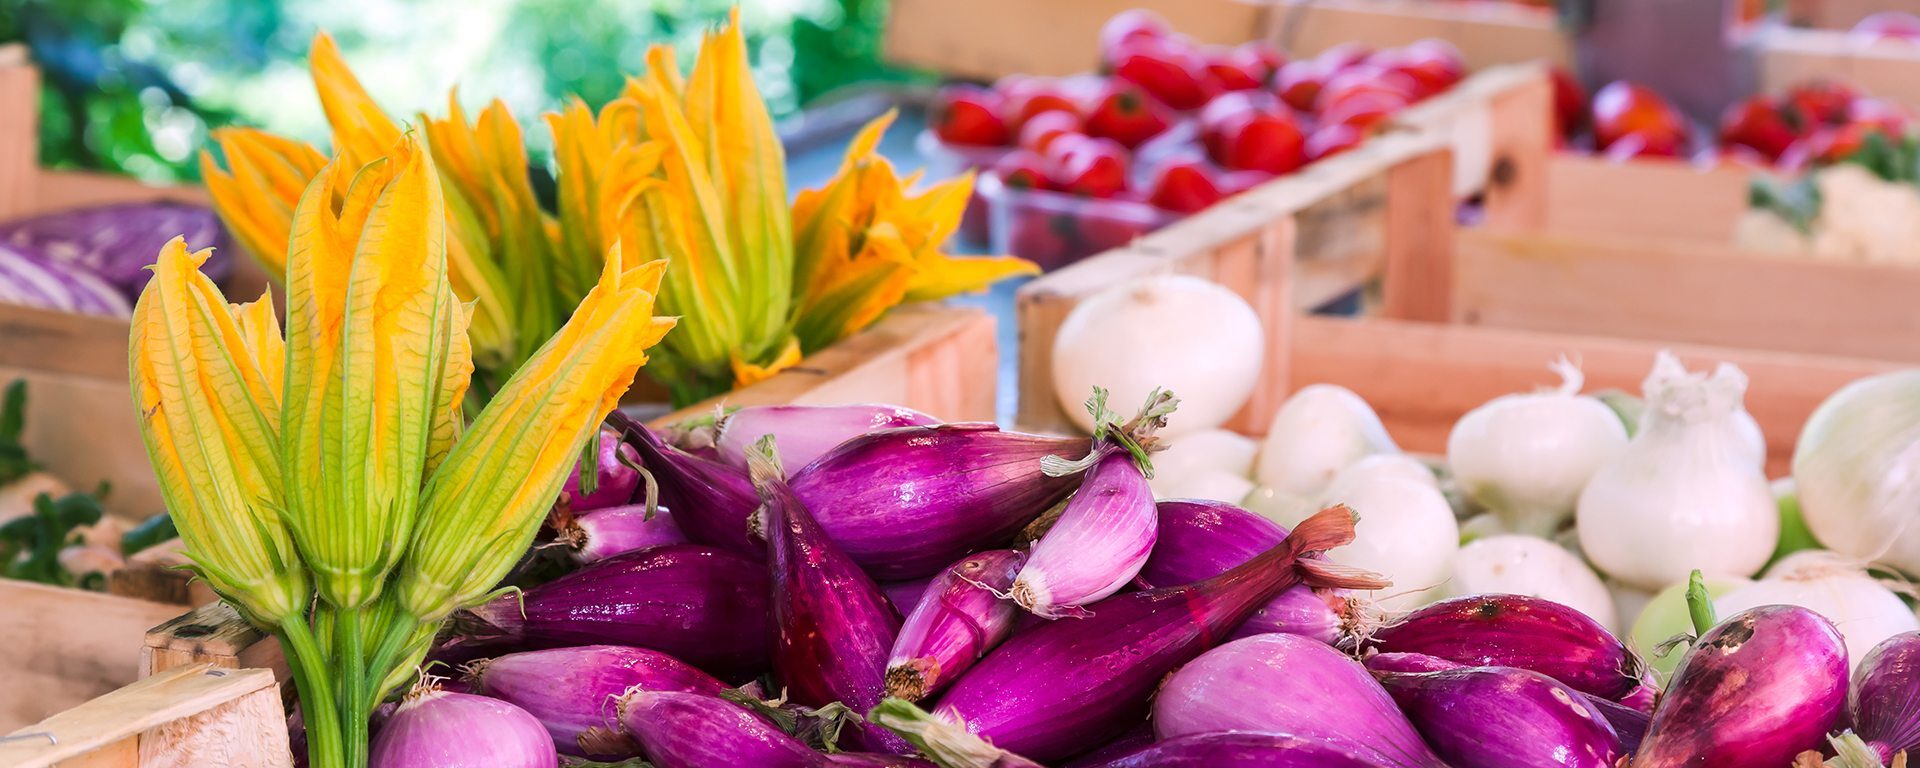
x=192 y=716
x=19 y=130
x=987 y=39
x=1887 y=69
x=1842 y=14
x=65 y=646
x=1488 y=34
x=1651 y=198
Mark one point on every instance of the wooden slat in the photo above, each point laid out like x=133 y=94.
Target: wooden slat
x=192 y=716
x=1887 y=69
x=1689 y=293
x=1842 y=14
x=65 y=646
x=19 y=129
x=1655 y=199
x=212 y=634
x=1418 y=282
x=987 y=39
x=1488 y=34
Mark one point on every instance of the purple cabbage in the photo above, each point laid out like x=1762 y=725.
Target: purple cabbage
x=118 y=242
x=574 y=692
x=1281 y=683
x=1099 y=543
x=905 y=503
x=1755 y=690
x=437 y=729
x=959 y=620
x=33 y=281
x=1203 y=539
x=603 y=533
x=705 y=606
x=805 y=432
x=1498 y=717
x=1516 y=631
x=711 y=501
x=1885 y=698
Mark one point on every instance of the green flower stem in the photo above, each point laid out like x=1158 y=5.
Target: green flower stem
x=315 y=685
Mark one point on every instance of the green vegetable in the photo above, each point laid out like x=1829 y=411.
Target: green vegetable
x=14 y=463
x=30 y=546
x=155 y=530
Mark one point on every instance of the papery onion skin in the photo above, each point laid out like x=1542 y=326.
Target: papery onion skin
x=1755 y=690
x=1282 y=683
x=958 y=621
x=690 y=730
x=806 y=432
x=711 y=500
x=1099 y=543
x=1050 y=691
x=1502 y=717
x=905 y=503
x=1628 y=723
x=835 y=627
x=1200 y=539
x=437 y=729
x=1885 y=697
x=705 y=606
x=573 y=691
x=1239 y=750
x=603 y=533
x=1516 y=631
x=614 y=477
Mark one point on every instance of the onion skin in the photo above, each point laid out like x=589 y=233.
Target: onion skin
x=1202 y=539
x=1282 y=683
x=1516 y=631
x=437 y=729
x=689 y=730
x=835 y=627
x=806 y=432
x=1132 y=742
x=905 y=503
x=905 y=595
x=1502 y=717
x=1756 y=690
x=705 y=606
x=1099 y=543
x=1628 y=723
x=572 y=691
x=603 y=533
x=1885 y=698
x=614 y=479
x=958 y=621
x=711 y=500
x=1049 y=692
x=1238 y=749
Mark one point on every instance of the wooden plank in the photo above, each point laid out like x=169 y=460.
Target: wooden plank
x=1652 y=198
x=192 y=716
x=1887 y=69
x=65 y=646
x=1688 y=293
x=19 y=129
x=1422 y=377
x=214 y=634
x=1419 y=243
x=1488 y=34
x=987 y=39
x=85 y=432
x=1842 y=14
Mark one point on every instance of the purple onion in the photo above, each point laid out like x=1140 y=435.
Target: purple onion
x=876 y=760
x=805 y=432
x=1885 y=701
x=904 y=595
x=905 y=503
x=1203 y=539
x=614 y=477
x=1098 y=545
x=1282 y=683
x=437 y=729
x=1050 y=692
x=1499 y=717
x=119 y=241
x=1643 y=698
x=603 y=533
x=690 y=730
x=1755 y=690
x=835 y=627
x=711 y=501
x=959 y=621
x=1129 y=743
x=705 y=606
x=1628 y=723
x=574 y=692
x=1516 y=631
x=1238 y=749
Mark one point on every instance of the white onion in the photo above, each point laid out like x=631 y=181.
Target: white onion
x=1188 y=335
x=1316 y=433
x=1532 y=566
x=1684 y=494
x=1279 y=506
x=1212 y=484
x=1857 y=469
x=1406 y=532
x=1384 y=465
x=1864 y=610
x=1526 y=457
x=1206 y=451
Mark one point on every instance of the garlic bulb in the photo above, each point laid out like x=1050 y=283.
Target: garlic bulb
x=1684 y=494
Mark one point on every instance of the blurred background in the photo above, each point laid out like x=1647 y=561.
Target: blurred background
x=133 y=86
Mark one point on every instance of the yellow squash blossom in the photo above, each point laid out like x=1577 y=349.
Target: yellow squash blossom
x=256 y=199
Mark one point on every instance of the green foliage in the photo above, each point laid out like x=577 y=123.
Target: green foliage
x=14 y=462
x=30 y=545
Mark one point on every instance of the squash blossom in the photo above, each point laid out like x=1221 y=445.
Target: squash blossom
x=324 y=481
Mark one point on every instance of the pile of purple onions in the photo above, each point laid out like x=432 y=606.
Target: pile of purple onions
x=864 y=586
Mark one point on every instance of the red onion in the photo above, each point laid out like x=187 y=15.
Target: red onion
x=805 y=432
x=1201 y=539
x=959 y=621
x=1282 y=683
x=705 y=606
x=603 y=533
x=905 y=503
x=1050 y=692
x=835 y=627
x=711 y=501
x=690 y=730
x=1755 y=690
x=949 y=745
x=1886 y=696
x=574 y=691
x=1239 y=749
x=1628 y=723
x=1099 y=543
x=614 y=477
x=904 y=595
x=1131 y=742
x=1516 y=631
x=876 y=760
x=1499 y=717
x=437 y=729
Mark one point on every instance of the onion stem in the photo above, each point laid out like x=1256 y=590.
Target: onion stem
x=1699 y=604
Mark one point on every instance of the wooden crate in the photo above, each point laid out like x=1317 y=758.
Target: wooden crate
x=190 y=717
x=65 y=646
x=1842 y=14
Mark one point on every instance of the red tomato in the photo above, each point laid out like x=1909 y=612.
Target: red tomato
x=1624 y=109
x=1185 y=187
x=1365 y=78
x=1569 y=102
x=1039 y=236
x=1757 y=124
x=964 y=114
x=1089 y=167
x=1022 y=169
x=1332 y=139
x=1820 y=102
x=1171 y=73
x=1362 y=109
x=1890 y=118
x=1241 y=68
x=1126 y=114
x=1433 y=65
x=1299 y=82
x=1043 y=128
x=1220 y=116
x=1024 y=97
x=1264 y=141
x=1128 y=26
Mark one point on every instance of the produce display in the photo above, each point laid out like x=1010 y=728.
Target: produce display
x=93 y=260
x=1074 y=166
